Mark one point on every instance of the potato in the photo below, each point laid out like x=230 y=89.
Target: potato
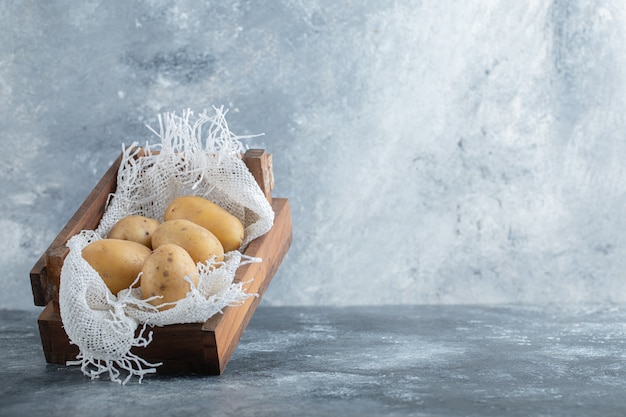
x=226 y=227
x=135 y=228
x=117 y=261
x=201 y=244
x=164 y=272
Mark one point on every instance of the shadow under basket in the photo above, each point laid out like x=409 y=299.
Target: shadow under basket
x=203 y=348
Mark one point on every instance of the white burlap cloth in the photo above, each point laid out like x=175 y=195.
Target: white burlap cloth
x=195 y=156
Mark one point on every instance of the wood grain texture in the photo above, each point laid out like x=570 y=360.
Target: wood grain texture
x=259 y=163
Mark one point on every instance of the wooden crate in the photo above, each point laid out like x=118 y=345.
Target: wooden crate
x=203 y=348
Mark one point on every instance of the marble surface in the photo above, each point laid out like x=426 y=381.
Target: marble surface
x=515 y=360
x=476 y=147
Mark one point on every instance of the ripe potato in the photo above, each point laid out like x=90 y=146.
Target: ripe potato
x=117 y=261
x=226 y=227
x=164 y=272
x=135 y=228
x=201 y=244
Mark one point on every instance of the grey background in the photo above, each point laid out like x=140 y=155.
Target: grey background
x=432 y=151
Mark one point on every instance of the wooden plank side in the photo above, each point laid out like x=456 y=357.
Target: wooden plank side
x=179 y=347
x=38 y=281
x=259 y=163
x=55 y=342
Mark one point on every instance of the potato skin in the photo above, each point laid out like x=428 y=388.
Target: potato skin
x=135 y=228
x=164 y=272
x=226 y=227
x=117 y=261
x=201 y=244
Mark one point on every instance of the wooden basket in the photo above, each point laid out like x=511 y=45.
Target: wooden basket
x=203 y=348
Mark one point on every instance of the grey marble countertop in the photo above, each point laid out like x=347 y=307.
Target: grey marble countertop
x=365 y=361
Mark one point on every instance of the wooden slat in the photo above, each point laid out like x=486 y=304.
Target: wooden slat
x=259 y=163
x=56 y=345
x=38 y=281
